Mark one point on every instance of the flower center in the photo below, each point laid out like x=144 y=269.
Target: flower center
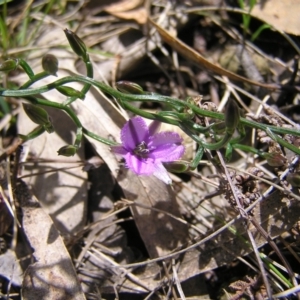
x=141 y=150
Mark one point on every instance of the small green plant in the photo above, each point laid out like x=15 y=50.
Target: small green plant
x=247 y=19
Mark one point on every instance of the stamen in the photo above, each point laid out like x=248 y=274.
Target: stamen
x=141 y=150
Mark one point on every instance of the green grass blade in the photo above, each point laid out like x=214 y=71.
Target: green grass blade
x=4 y=35
x=256 y=34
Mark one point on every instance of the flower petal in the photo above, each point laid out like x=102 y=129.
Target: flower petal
x=134 y=132
x=138 y=165
x=162 y=174
x=166 y=146
x=166 y=153
x=165 y=137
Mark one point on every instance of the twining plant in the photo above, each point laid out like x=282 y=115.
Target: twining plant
x=145 y=151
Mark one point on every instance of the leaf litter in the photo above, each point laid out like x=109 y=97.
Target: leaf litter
x=186 y=230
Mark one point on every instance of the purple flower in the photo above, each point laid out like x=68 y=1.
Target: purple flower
x=144 y=150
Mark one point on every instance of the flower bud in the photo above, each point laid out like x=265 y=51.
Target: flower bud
x=70 y=92
x=179 y=166
x=274 y=159
x=49 y=126
x=36 y=114
x=9 y=65
x=129 y=87
x=50 y=64
x=76 y=43
x=232 y=117
x=68 y=150
x=293 y=179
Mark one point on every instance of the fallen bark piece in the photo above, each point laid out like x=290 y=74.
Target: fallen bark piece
x=52 y=276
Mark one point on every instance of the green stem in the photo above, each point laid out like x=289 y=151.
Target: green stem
x=284 y=143
x=80 y=129
x=87 y=86
x=34 y=79
x=78 y=137
x=26 y=68
x=247 y=149
x=177 y=115
x=99 y=138
x=198 y=157
x=90 y=74
x=217 y=145
x=272 y=267
x=155 y=98
x=148 y=115
x=33 y=134
x=66 y=109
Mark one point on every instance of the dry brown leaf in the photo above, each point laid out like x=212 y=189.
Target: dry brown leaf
x=131 y=55
x=65 y=205
x=122 y=5
x=140 y=15
x=160 y=232
x=282 y=15
x=197 y=58
x=128 y=10
x=52 y=276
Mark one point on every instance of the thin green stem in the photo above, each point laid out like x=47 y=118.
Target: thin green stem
x=218 y=145
x=177 y=115
x=99 y=138
x=34 y=79
x=247 y=149
x=33 y=134
x=78 y=137
x=26 y=68
x=272 y=267
x=149 y=115
x=142 y=98
x=155 y=98
x=80 y=129
x=90 y=74
x=284 y=143
x=66 y=109
x=198 y=157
